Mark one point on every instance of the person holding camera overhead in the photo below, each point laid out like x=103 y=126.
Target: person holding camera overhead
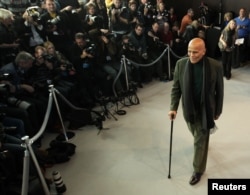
x=134 y=16
x=162 y=14
x=118 y=15
x=93 y=23
x=56 y=25
x=147 y=8
x=34 y=32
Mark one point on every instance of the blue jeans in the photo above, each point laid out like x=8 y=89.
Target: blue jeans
x=14 y=122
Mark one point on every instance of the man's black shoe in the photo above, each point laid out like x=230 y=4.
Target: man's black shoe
x=195 y=178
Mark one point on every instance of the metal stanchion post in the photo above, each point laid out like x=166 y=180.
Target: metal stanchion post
x=27 y=143
x=52 y=91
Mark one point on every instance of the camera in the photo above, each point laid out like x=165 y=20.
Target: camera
x=91 y=49
x=119 y=10
x=50 y=58
x=54 y=21
x=5 y=77
x=68 y=66
x=34 y=13
x=129 y=45
x=91 y=18
x=18 y=103
x=74 y=11
x=148 y=5
x=165 y=13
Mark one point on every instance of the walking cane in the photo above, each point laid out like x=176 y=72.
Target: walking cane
x=170 y=148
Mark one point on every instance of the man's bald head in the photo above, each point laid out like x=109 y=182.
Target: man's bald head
x=196 y=50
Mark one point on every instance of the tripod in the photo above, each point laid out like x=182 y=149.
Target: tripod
x=27 y=143
x=106 y=111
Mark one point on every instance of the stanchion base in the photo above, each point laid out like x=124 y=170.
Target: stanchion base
x=61 y=136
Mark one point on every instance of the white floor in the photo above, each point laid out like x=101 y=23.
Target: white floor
x=132 y=157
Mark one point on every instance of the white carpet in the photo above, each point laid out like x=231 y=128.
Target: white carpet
x=132 y=157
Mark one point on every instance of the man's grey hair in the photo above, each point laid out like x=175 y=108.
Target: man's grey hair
x=23 y=56
x=5 y=14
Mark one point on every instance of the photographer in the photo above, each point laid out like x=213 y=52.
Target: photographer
x=34 y=32
x=83 y=57
x=73 y=10
x=101 y=10
x=57 y=27
x=48 y=69
x=107 y=51
x=156 y=46
x=134 y=16
x=21 y=92
x=138 y=39
x=118 y=15
x=8 y=38
x=65 y=69
x=93 y=23
x=13 y=116
x=161 y=15
x=11 y=159
x=43 y=74
x=148 y=11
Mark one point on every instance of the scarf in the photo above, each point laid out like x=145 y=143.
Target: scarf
x=188 y=96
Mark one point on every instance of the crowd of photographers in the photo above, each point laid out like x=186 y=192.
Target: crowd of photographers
x=78 y=49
